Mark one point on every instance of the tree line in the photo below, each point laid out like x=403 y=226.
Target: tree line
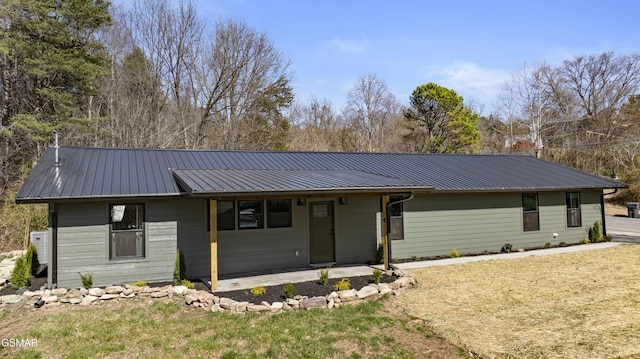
x=157 y=75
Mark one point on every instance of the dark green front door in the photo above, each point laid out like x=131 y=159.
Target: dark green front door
x=321 y=232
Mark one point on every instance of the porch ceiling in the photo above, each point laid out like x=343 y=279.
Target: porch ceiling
x=224 y=182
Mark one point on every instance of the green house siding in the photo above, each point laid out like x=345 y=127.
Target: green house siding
x=83 y=245
x=435 y=224
x=356 y=230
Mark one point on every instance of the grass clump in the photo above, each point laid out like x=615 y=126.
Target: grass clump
x=289 y=290
x=506 y=248
x=87 y=280
x=584 y=240
x=259 y=290
x=377 y=274
x=343 y=284
x=324 y=276
x=139 y=283
x=187 y=283
x=547 y=245
x=454 y=254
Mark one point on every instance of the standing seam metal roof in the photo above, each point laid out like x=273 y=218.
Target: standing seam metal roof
x=93 y=172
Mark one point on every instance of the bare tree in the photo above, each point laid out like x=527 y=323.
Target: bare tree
x=369 y=109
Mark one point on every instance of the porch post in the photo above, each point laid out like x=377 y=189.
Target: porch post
x=213 y=242
x=384 y=240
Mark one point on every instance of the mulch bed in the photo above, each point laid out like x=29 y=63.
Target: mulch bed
x=34 y=283
x=310 y=289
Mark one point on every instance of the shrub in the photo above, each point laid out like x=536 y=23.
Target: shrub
x=21 y=273
x=547 y=245
x=259 y=290
x=343 y=284
x=324 y=276
x=584 y=241
x=289 y=289
x=87 y=280
x=32 y=259
x=562 y=244
x=139 y=283
x=377 y=273
x=506 y=248
x=180 y=270
x=380 y=253
x=187 y=283
x=607 y=238
x=595 y=235
x=454 y=254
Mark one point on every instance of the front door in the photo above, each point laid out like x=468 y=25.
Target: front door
x=321 y=232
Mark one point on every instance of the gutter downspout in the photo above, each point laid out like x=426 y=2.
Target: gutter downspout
x=388 y=222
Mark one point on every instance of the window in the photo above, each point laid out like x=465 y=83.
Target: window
x=530 y=213
x=574 y=215
x=396 y=218
x=278 y=213
x=320 y=210
x=127 y=230
x=226 y=215
x=250 y=215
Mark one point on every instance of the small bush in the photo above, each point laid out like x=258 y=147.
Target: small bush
x=380 y=253
x=180 y=269
x=21 y=274
x=562 y=244
x=595 y=235
x=506 y=248
x=259 y=290
x=454 y=254
x=324 y=276
x=607 y=238
x=187 y=283
x=139 y=283
x=343 y=284
x=377 y=274
x=32 y=259
x=87 y=280
x=289 y=289
x=584 y=241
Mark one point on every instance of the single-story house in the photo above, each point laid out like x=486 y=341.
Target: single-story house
x=121 y=213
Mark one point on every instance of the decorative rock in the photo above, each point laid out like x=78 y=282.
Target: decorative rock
x=216 y=308
x=313 y=302
x=178 y=290
x=293 y=303
x=257 y=308
x=373 y=297
x=113 y=289
x=130 y=295
x=28 y=294
x=96 y=292
x=277 y=306
x=147 y=289
x=59 y=291
x=88 y=300
x=49 y=298
x=332 y=295
x=84 y=291
x=74 y=293
x=286 y=306
x=189 y=299
x=10 y=299
x=520 y=250
x=109 y=296
x=384 y=288
x=227 y=303
x=347 y=295
x=241 y=307
x=205 y=297
x=366 y=292
x=331 y=303
x=75 y=300
x=52 y=304
x=165 y=288
x=191 y=292
x=159 y=294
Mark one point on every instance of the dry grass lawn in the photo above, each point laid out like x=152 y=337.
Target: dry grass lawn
x=578 y=305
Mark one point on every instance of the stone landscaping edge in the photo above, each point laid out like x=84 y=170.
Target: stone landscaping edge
x=50 y=298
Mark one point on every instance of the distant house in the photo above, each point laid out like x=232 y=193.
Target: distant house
x=121 y=214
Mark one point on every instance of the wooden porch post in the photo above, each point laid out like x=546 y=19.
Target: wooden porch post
x=385 y=201
x=213 y=242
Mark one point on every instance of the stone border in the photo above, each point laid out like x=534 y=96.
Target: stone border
x=50 y=298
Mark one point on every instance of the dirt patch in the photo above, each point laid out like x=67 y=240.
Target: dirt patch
x=611 y=209
x=577 y=305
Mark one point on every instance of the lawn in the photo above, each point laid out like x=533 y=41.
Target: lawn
x=578 y=305
x=168 y=329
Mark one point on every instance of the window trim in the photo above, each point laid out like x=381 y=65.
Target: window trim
x=577 y=209
x=143 y=230
x=536 y=212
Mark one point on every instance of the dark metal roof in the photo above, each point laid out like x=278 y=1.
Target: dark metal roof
x=90 y=172
x=234 y=182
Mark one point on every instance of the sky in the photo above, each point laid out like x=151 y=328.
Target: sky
x=472 y=47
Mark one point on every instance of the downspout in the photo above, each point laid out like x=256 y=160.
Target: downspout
x=388 y=226
x=53 y=248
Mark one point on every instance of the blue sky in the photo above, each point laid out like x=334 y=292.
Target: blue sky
x=471 y=47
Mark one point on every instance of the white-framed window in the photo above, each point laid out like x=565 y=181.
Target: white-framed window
x=396 y=218
x=530 y=212
x=574 y=213
x=126 y=231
